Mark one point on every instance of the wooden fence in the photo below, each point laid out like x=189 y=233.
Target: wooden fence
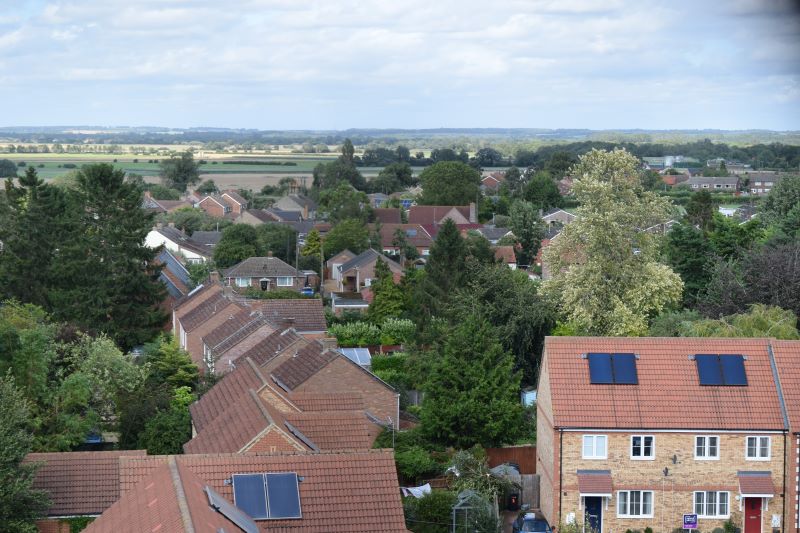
x=523 y=456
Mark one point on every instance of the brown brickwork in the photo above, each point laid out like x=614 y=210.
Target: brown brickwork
x=273 y=441
x=342 y=375
x=194 y=338
x=53 y=526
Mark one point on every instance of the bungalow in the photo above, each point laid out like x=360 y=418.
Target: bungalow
x=558 y=217
x=637 y=432
x=414 y=235
x=265 y=273
x=437 y=214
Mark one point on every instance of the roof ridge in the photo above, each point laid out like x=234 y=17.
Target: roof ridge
x=256 y=398
x=257 y=370
x=180 y=495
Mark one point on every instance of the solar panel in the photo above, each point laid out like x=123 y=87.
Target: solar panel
x=283 y=495
x=624 y=366
x=733 y=369
x=600 y=370
x=250 y=496
x=708 y=369
x=233 y=514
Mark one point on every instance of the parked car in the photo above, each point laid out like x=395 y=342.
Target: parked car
x=528 y=523
x=307 y=291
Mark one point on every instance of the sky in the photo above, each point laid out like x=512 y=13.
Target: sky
x=338 y=64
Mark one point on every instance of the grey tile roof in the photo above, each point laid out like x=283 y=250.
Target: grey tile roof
x=255 y=267
x=366 y=257
x=307 y=362
x=206 y=238
x=180 y=238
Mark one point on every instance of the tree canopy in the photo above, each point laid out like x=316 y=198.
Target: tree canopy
x=607 y=275
x=449 y=183
x=180 y=172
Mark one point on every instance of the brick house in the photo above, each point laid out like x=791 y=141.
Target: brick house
x=787 y=357
x=235 y=201
x=414 y=234
x=290 y=394
x=360 y=271
x=179 y=243
x=355 y=492
x=558 y=217
x=214 y=206
x=437 y=214
x=202 y=320
x=300 y=204
x=728 y=184
x=636 y=432
x=265 y=273
x=333 y=264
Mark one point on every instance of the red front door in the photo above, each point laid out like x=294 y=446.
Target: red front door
x=752 y=515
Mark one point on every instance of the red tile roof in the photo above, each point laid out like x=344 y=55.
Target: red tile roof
x=170 y=499
x=328 y=402
x=668 y=394
x=756 y=483
x=340 y=492
x=415 y=235
x=387 y=215
x=341 y=430
x=787 y=359
x=227 y=392
x=270 y=346
x=505 y=254
x=433 y=214
x=79 y=483
x=307 y=314
x=594 y=482
x=308 y=361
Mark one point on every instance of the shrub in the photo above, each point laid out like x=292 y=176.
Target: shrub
x=415 y=462
x=356 y=334
x=431 y=513
x=396 y=330
x=69 y=165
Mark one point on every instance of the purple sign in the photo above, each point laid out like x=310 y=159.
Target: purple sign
x=690 y=521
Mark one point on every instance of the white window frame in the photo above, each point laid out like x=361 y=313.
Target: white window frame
x=706 y=447
x=758 y=456
x=284 y=278
x=594 y=439
x=242 y=282
x=627 y=501
x=643 y=457
x=704 y=504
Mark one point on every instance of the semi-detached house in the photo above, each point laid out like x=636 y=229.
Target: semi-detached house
x=637 y=432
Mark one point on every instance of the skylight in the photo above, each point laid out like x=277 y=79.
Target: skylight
x=612 y=368
x=721 y=369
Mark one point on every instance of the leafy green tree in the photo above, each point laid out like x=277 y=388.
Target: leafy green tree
x=279 y=239
x=511 y=302
x=472 y=396
x=32 y=231
x=181 y=172
x=542 y=192
x=430 y=514
x=330 y=175
x=207 y=187
x=731 y=239
x=388 y=300
x=700 y=210
x=169 y=430
x=313 y=244
x=489 y=157
x=758 y=321
x=20 y=503
x=238 y=242
x=513 y=180
x=350 y=234
x=159 y=192
x=107 y=279
x=560 y=163
x=607 y=277
x=449 y=183
x=7 y=169
x=171 y=365
x=781 y=207
x=348 y=152
x=443 y=272
x=403 y=154
x=199 y=272
x=689 y=254
x=392 y=178
x=406 y=250
x=528 y=228
x=191 y=219
x=344 y=202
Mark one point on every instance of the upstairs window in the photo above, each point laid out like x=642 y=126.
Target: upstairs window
x=706 y=447
x=757 y=448
x=595 y=446
x=642 y=447
x=721 y=369
x=612 y=368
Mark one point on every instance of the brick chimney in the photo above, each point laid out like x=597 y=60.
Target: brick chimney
x=214 y=276
x=269 y=253
x=473 y=213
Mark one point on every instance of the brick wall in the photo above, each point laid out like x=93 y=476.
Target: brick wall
x=190 y=304
x=673 y=494
x=341 y=375
x=212 y=208
x=546 y=449
x=53 y=526
x=194 y=338
x=273 y=441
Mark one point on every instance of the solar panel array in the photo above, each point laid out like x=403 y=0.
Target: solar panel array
x=359 y=356
x=612 y=368
x=721 y=369
x=233 y=514
x=268 y=496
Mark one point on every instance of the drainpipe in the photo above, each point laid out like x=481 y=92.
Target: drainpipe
x=560 y=471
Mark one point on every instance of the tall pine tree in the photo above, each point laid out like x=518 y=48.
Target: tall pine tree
x=107 y=277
